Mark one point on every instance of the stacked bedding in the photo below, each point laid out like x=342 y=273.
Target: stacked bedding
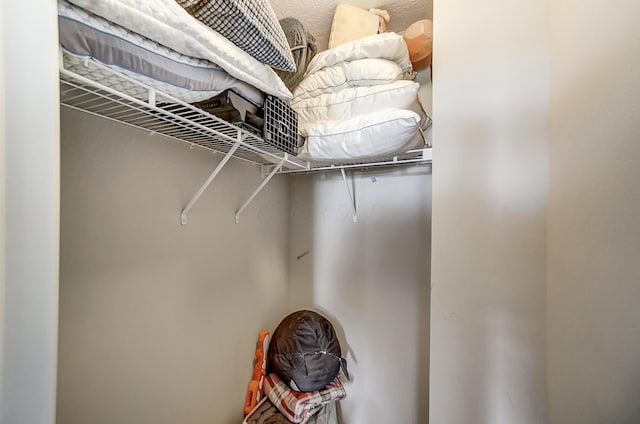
x=358 y=102
x=83 y=35
x=189 y=58
x=251 y=25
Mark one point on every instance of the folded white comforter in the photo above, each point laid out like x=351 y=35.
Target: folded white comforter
x=388 y=45
x=358 y=101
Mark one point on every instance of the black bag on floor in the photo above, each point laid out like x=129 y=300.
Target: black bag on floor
x=304 y=349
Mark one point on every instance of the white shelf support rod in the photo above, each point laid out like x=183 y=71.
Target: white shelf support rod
x=353 y=201
x=262 y=185
x=223 y=162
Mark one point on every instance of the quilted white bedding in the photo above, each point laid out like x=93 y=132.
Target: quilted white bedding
x=356 y=73
x=388 y=45
x=169 y=24
x=188 y=79
x=353 y=101
x=358 y=102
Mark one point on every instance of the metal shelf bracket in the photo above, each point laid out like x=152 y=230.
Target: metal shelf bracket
x=223 y=162
x=353 y=201
x=261 y=186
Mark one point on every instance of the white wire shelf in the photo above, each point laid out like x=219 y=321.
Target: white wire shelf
x=146 y=108
x=412 y=157
x=163 y=114
x=133 y=103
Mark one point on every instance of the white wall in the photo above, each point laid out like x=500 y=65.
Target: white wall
x=3 y=202
x=594 y=214
x=489 y=262
x=158 y=321
x=371 y=279
x=29 y=175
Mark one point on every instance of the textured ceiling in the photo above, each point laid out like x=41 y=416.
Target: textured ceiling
x=316 y=15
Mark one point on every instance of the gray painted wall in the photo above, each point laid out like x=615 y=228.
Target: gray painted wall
x=371 y=278
x=594 y=214
x=3 y=205
x=535 y=220
x=489 y=261
x=158 y=321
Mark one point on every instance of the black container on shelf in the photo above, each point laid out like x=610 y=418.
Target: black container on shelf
x=280 y=125
x=275 y=122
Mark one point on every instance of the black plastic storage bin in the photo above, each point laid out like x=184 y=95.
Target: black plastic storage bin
x=280 y=125
x=275 y=122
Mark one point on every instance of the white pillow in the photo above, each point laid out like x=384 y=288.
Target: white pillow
x=380 y=134
x=388 y=45
x=357 y=101
x=356 y=73
x=351 y=22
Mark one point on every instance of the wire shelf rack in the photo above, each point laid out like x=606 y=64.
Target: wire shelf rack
x=145 y=108
x=133 y=103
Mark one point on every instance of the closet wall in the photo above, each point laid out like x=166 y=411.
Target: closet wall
x=372 y=279
x=489 y=262
x=535 y=219
x=594 y=214
x=3 y=202
x=29 y=180
x=158 y=321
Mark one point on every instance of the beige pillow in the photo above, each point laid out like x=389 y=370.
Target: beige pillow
x=350 y=23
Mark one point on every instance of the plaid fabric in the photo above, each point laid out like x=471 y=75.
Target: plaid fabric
x=265 y=413
x=251 y=25
x=298 y=407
